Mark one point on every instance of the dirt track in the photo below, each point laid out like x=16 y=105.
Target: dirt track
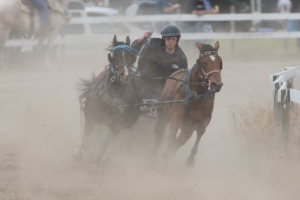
x=40 y=129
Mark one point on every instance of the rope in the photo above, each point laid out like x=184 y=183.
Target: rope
x=169 y=77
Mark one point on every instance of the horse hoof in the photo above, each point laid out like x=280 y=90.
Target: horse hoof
x=77 y=155
x=190 y=163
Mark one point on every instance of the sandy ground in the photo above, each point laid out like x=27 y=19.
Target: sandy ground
x=39 y=130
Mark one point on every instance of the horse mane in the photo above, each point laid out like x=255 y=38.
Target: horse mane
x=206 y=47
x=112 y=46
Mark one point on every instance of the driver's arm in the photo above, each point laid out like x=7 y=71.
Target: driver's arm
x=137 y=44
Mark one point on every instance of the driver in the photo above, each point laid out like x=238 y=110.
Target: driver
x=159 y=57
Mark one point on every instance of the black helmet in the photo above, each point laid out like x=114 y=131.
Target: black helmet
x=170 y=30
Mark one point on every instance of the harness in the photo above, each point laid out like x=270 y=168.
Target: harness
x=114 y=69
x=118 y=102
x=190 y=95
x=126 y=47
x=103 y=88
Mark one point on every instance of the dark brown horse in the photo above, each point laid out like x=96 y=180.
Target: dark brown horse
x=196 y=89
x=102 y=99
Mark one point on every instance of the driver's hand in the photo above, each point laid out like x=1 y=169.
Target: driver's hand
x=147 y=34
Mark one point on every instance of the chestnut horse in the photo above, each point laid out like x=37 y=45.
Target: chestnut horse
x=103 y=99
x=196 y=89
x=14 y=14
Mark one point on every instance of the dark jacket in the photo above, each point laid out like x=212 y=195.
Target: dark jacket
x=154 y=61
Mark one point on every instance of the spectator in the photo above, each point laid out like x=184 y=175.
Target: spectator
x=120 y=5
x=296 y=9
x=164 y=7
x=284 y=6
x=198 y=7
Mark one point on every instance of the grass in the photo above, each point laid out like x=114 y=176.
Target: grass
x=255 y=126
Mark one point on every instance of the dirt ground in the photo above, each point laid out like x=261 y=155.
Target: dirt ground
x=39 y=130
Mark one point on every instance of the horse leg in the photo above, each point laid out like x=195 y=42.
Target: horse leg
x=175 y=123
x=160 y=128
x=190 y=162
x=84 y=143
x=184 y=136
x=130 y=140
x=110 y=139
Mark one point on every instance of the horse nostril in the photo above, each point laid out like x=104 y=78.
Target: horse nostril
x=213 y=84
x=216 y=87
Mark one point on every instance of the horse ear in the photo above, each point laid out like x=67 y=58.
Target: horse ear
x=127 y=41
x=199 y=46
x=115 y=40
x=217 y=46
x=110 y=59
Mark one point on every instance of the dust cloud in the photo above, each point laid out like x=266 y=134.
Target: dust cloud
x=40 y=129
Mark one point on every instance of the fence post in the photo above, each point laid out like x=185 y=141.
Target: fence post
x=285 y=119
x=232 y=30
x=277 y=106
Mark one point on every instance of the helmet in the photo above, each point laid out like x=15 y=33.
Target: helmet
x=170 y=30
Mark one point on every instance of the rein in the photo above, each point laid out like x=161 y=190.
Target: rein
x=176 y=79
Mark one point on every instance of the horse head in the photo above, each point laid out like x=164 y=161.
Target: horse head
x=121 y=59
x=210 y=64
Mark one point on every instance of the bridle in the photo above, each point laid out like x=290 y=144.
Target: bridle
x=200 y=66
x=114 y=68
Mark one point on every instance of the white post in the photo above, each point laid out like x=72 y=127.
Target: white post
x=258 y=6
x=252 y=4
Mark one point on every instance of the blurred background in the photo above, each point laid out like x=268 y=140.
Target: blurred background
x=239 y=23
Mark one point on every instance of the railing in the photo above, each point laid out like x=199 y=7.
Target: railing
x=284 y=94
x=135 y=32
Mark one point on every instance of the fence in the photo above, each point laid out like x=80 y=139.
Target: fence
x=284 y=94
x=86 y=22
x=88 y=37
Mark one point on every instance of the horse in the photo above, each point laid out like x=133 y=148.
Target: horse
x=104 y=98
x=195 y=90
x=14 y=14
